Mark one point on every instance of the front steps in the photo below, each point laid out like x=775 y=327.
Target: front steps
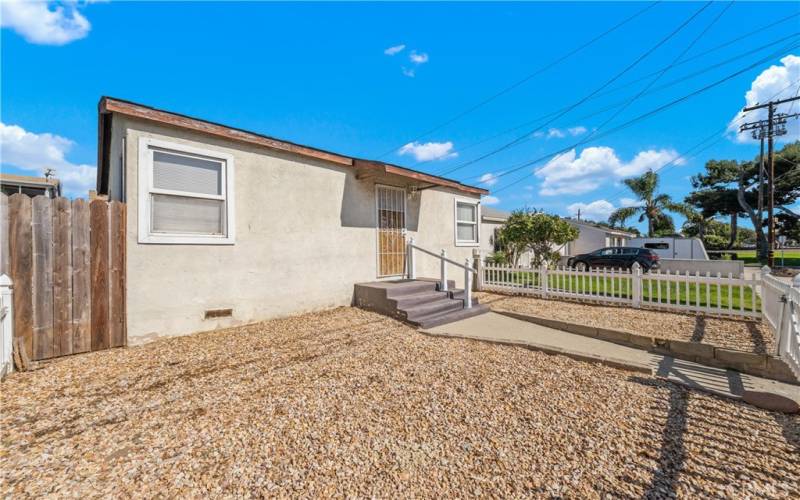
x=418 y=302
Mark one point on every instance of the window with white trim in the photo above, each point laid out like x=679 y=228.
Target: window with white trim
x=185 y=194
x=466 y=223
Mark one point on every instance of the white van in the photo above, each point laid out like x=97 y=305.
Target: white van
x=673 y=247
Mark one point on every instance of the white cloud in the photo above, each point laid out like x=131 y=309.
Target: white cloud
x=418 y=58
x=557 y=133
x=488 y=179
x=38 y=23
x=576 y=131
x=429 y=150
x=572 y=174
x=630 y=202
x=598 y=210
x=36 y=152
x=490 y=200
x=394 y=49
x=409 y=72
x=775 y=82
x=649 y=160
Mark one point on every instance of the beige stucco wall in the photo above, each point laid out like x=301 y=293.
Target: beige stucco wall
x=305 y=233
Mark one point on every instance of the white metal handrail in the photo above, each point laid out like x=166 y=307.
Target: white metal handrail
x=444 y=260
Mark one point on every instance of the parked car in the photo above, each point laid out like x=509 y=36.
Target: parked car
x=618 y=257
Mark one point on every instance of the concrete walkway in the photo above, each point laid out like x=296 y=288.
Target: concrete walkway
x=497 y=328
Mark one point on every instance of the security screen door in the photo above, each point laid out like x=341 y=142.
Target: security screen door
x=391 y=205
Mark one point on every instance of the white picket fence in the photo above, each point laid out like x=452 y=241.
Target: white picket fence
x=782 y=312
x=714 y=295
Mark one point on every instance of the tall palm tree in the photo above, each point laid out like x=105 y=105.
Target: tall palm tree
x=652 y=206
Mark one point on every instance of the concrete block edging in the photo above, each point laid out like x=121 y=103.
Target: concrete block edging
x=760 y=365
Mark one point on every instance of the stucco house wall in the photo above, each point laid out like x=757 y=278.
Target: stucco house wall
x=305 y=232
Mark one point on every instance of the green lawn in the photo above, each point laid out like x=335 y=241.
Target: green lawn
x=790 y=257
x=620 y=287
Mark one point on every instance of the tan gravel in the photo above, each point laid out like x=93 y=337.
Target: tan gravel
x=749 y=336
x=349 y=403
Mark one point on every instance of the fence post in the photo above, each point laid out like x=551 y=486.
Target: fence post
x=477 y=264
x=636 y=285
x=412 y=271
x=6 y=325
x=467 y=286
x=543 y=277
x=443 y=286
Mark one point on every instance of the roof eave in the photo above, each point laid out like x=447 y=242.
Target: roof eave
x=109 y=105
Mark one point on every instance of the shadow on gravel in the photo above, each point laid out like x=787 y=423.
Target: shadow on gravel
x=699 y=329
x=759 y=345
x=672 y=456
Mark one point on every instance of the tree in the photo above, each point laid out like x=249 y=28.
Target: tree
x=536 y=232
x=652 y=205
x=729 y=187
x=696 y=222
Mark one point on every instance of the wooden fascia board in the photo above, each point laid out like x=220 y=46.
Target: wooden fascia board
x=109 y=105
x=419 y=176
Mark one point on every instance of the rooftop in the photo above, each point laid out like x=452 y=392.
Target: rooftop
x=108 y=105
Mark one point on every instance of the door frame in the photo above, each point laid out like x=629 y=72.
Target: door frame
x=378 y=229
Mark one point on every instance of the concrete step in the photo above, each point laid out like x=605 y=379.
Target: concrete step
x=405 y=288
x=408 y=301
x=445 y=317
x=431 y=308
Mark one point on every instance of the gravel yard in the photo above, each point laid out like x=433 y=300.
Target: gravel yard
x=741 y=335
x=349 y=403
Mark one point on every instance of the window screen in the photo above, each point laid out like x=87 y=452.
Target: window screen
x=466 y=222
x=179 y=214
x=186 y=173
x=188 y=195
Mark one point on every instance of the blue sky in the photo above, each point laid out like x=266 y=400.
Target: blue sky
x=369 y=79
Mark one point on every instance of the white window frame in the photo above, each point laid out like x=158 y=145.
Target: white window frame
x=146 y=148
x=467 y=243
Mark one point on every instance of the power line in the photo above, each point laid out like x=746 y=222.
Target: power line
x=637 y=119
x=618 y=103
x=585 y=98
x=528 y=77
x=652 y=82
x=663 y=168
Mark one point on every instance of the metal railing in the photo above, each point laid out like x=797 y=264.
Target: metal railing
x=444 y=261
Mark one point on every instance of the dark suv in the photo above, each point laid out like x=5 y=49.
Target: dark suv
x=619 y=257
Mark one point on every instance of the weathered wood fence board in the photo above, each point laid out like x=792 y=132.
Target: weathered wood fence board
x=67 y=261
x=42 y=219
x=116 y=275
x=98 y=216
x=21 y=266
x=81 y=278
x=62 y=277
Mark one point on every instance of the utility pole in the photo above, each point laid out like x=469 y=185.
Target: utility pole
x=773 y=120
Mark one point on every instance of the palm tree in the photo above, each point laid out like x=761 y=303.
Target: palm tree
x=652 y=206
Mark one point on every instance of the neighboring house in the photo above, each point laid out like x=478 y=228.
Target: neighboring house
x=594 y=236
x=591 y=237
x=220 y=218
x=31 y=186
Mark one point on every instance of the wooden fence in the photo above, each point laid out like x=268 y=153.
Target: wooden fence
x=67 y=262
